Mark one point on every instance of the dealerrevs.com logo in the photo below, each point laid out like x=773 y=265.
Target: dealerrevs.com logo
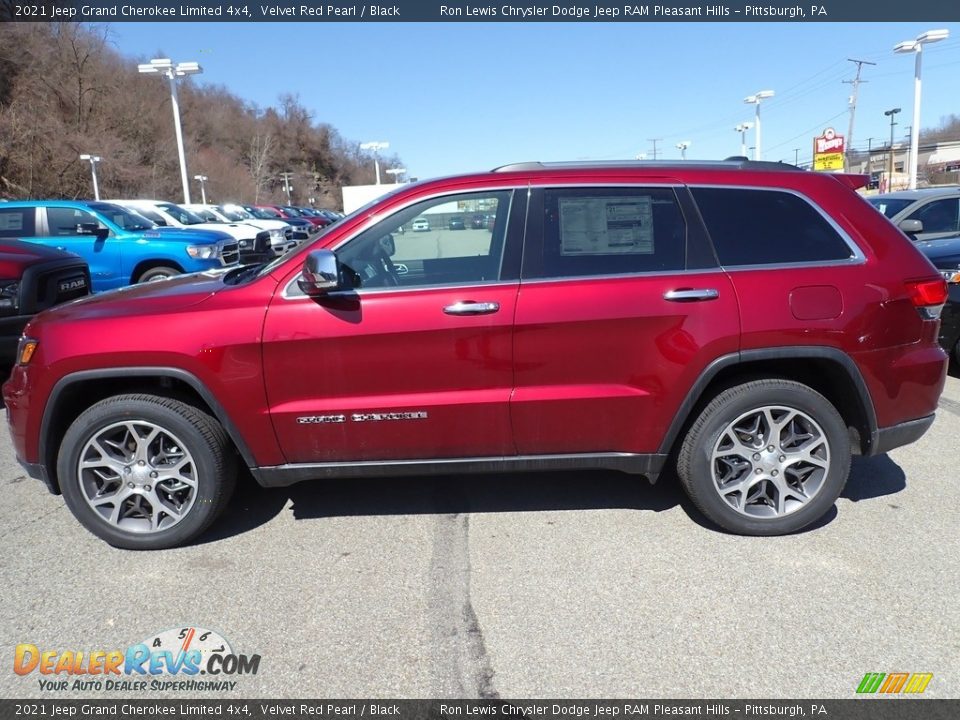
x=171 y=660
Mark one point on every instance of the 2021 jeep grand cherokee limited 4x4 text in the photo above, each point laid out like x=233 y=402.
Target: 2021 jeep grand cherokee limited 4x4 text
x=752 y=324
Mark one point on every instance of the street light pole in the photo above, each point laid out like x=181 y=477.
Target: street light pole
x=742 y=129
x=755 y=100
x=682 y=147
x=94 y=159
x=375 y=147
x=916 y=47
x=166 y=68
x=890 y=114
x=203 y=191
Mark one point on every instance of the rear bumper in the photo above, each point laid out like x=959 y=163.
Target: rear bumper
x=888 y=438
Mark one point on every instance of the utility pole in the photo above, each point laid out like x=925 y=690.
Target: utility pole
x=286 y=176
x=853 y=107
x=891 y=113
x=654 y=141
x=796 y=156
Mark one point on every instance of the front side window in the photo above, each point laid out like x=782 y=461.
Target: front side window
x=767 y=227
x=16 y=222
x=63 y=222
x=611 y=231
x=939 y=216
x=400 y=252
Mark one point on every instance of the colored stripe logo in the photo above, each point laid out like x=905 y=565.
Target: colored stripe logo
x=893 y=683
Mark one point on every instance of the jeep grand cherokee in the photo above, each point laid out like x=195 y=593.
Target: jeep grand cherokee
x=750 y=323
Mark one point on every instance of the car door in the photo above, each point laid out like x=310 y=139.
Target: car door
x=621 y=307
x=413 y=359
x=72 y=229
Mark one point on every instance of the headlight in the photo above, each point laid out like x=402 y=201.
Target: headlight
x=951 y=276
x=9 y=296
x=277 y=235
x=203 y=252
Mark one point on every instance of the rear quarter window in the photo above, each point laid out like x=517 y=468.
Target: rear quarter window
x=17 y=222
x=767 y=227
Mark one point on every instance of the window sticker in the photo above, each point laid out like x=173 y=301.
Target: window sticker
x=606 y=225
x=11 y=221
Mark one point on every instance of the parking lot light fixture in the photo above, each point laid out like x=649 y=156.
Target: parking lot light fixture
x=682 y=147
x=396 y=172
x=916 y=47
x=203 y=190
x=93 y=160
x=742 y=129
x=166 y=68
x=375 y=147
x=755 y=100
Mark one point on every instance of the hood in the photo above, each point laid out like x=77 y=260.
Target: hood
x=145 y=299
x=23 y=253
x=193 y=234
x=942 y=252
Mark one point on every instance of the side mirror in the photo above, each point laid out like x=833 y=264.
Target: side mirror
x=911 y=227
x=102 y=233
x=320 y=274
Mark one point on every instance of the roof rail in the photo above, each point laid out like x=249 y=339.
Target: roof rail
x=736 y=162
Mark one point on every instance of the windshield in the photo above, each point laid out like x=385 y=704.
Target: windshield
x=181 y=215
x=122 y=217
x=889 y=206
x=234 y=213
x=292 y=211
x=206 y=215
x=266 y=214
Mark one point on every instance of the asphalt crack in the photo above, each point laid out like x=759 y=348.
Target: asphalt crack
x=461 y=666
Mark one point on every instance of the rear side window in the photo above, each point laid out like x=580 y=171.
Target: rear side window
x=611 y=231
x=767 y=227
x=17 y=222
x=63 y=221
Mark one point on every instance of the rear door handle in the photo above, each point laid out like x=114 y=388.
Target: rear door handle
x=691 y=295
x=469 y=307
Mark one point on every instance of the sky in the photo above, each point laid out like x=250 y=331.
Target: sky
x=460 y=97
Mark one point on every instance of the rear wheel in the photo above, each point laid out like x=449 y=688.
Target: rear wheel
x=765 y=458
x=145 y=472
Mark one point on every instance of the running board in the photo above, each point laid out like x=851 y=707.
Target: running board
x=634 y=464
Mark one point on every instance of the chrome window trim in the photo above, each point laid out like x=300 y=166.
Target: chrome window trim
x=858 y=258
x=298 y=295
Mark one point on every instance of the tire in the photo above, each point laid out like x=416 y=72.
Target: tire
x=728 y=470
x=169 y=465
x=161 y=272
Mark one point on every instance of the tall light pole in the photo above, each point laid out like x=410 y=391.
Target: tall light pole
x=166 y=68
x=682 y=147
x=203 y=190
x=890 y=114
x=916 y=47
x=742 y=129
x=286 y=184
x=93 y=159
x=755 y=100
x=396 y=172
x=375 y=147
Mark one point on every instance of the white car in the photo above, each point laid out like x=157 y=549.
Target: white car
x=420 y=225
x=281 y=234
x=255 y=244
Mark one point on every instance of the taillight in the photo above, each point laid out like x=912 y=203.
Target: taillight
x=928 y=296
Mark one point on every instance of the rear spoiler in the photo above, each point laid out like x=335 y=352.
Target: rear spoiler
x=851 y=180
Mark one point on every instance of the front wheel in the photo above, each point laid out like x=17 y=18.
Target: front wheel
x=145 y=472
x=765 y=458
x=161 y=272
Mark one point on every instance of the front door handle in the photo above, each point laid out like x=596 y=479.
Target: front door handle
x=691 y=295
x=468 y=307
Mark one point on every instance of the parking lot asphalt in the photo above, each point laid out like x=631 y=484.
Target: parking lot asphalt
x=589 y=584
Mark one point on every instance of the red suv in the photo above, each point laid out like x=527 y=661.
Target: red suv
x=751 y=324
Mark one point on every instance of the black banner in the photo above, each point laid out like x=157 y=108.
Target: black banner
x=854 y=709
x=478 y=11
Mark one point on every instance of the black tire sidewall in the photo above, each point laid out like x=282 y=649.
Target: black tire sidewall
x=789 y=395
x=205 y=507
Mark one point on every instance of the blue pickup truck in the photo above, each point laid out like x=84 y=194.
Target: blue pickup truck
x=120 y=246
